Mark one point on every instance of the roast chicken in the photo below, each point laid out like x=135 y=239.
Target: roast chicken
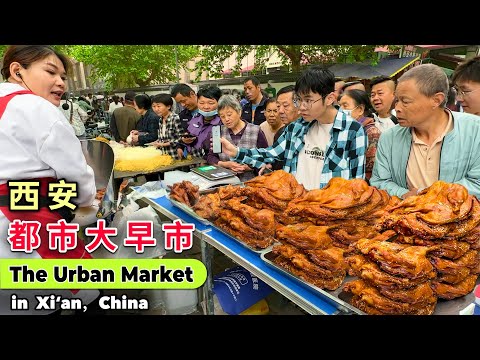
x=320 y=282
x=452 y=291
x=305 y=236
x=398 y=259
x=185 y=192
x=279 y=184
x=371 y=301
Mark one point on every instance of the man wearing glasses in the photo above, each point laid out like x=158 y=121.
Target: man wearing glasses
x=432 y=143
x=466 y=79
x=322 y=144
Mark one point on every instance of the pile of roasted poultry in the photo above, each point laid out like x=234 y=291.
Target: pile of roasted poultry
x=251 y=213
x=405 y=254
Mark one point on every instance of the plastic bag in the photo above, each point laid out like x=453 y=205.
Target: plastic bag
x=151 y=190
x=237 y=289
x=132 y=212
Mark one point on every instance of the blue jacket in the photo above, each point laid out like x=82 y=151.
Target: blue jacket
x=459 y=156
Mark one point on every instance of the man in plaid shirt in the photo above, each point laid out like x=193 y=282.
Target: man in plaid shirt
x=322 y=144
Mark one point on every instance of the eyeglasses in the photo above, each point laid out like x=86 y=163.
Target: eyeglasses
x=463 y=93
x=307 y=103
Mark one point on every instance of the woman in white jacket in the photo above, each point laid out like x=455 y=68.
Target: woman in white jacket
x=38 y=144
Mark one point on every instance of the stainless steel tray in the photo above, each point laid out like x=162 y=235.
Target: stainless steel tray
x=188 y=210
x=332 y=297
x=340 y=299
x=241 y=242
x=453 y=307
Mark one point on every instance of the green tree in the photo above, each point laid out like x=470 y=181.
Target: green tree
x=294 y=56
x=61 y=48
x=2 y=49
x=133 y=65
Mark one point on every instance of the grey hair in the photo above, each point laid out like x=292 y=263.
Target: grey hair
x=430 y=79
x=229 y=101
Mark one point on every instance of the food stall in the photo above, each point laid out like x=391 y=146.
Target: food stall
x=134 y=161
x=385 y=244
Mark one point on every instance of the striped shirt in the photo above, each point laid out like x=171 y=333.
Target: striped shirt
x=344 y=156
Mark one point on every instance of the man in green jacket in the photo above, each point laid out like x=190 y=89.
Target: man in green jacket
x=430 y=142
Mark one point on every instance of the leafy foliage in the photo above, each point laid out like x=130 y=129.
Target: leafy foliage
x=294 y=56
x=2 y=49
x=121 y=66
x=132 y=65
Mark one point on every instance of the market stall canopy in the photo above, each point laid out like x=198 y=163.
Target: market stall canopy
x=248 y=68
x=385 y=67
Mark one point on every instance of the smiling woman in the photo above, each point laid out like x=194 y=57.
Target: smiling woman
x=35 y=139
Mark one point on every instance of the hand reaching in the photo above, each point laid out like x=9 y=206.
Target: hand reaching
x=262 y=169
x=228 y=148
x=235 y=167
x=135 y=139
x=412 y=192
x=188 y=140
x=180 y=153
x=156 y=143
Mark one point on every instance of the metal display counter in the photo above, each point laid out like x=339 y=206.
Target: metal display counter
x=292 y=289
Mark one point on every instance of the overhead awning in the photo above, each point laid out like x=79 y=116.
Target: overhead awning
x=436 y=47
x=248 y=68
x=385 y=67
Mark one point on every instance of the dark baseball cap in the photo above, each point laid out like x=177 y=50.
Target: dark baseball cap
x=130 y=95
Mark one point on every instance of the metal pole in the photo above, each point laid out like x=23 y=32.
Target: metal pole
x=207 y=255
x=176 y=64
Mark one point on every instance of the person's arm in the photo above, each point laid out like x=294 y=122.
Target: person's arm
x=174 y=130
x=262 y=142
x=472 y=180
x=373 y=135
x=114 y=129
x=214 y=159
x=88 y=106
x=211 y=157
x=69 y=165
x=254 y=157
x=82 y=114
x=152 y=131
x=85 y=105
x=382 y=174
x=359 y=146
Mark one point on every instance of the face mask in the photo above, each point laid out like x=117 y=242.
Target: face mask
x=349 y=112
x=208 y=113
